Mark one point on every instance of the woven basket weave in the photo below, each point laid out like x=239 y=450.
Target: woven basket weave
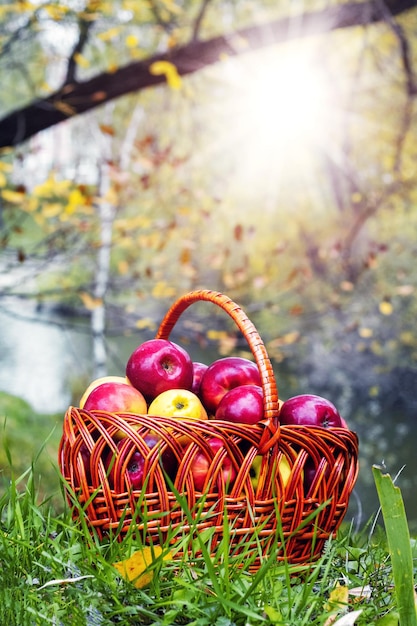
x=304 y=512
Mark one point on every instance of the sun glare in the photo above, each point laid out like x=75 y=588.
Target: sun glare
x=277 y=111
x=284 y=103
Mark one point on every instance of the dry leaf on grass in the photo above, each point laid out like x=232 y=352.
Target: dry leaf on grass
x=135 y=567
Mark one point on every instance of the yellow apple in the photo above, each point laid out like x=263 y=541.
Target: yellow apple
x=179 y=403
x=284 y=470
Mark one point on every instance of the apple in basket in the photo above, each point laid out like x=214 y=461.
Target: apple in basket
x=201 y=464
x=310 y=410
x=243 y=405
x=222 y=376
x=284 y=470
x=198 y=370
x=113 y=394
x=179 y=403
x=157 y=365
x=128 y=450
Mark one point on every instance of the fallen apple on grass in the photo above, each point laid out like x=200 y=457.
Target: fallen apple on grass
x=158 y=365
x=222 y=376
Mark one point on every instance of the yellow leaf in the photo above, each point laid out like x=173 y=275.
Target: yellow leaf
x=75 y=199
x=81 y=60
x=365 y=332
x=338 y=601
x=169 y=70
x=51 y=187
x=146 y=322
x=55 y=11
x=135 y=567
x=109 y=34
x=51 y=209
x=123 y=267
x=385 y=307
x=5 y=167
x=32 y=204
x=338 y=598
x=3 y=179
x=163 y=290
x=132 y=41
x=15 y=197
x=90 y=302
x=216 y=335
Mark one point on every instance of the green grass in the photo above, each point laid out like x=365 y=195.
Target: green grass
x=54 y=572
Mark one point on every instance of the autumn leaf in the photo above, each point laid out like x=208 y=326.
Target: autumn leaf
x=136 y=568
x=14 y=197
x=5 y=167
x=89 y=302
x=338 y=598
x=132 y=41
x=169 y=70
x=145 y=323
x=81 y=60
x=109 y=34
x=365 y=333
x=338 y=602
x=385 y=307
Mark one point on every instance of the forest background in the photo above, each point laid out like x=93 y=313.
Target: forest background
x=263 y=149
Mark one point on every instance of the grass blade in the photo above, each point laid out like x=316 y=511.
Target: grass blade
x=398 y=536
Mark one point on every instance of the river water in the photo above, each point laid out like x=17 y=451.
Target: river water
x=43 y=355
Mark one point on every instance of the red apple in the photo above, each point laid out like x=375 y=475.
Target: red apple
x=158 y=365
x=310 y=410
x=243 y=404
x=114 y=397
x=202 y=462
x=83 y=457
x=198 y=370
x=223 y=375
x=136 y=462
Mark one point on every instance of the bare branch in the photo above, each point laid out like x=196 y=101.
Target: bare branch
x=85 y=27
x=199 y=19
x=404 y=47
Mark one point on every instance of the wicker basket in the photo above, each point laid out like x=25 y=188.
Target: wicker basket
x=304 y=512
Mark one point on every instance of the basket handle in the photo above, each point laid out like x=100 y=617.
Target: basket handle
x=269 y=386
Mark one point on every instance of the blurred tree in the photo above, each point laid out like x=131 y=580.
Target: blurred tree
x=166 y=39
x=235 y=175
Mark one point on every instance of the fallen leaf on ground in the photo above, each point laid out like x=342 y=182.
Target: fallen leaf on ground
x=135 y=567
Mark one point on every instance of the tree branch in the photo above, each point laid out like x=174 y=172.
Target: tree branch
x=75 y=98
x=199 y=19
x=78 y=48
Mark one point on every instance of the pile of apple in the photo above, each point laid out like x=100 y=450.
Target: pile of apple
x=162 y=380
